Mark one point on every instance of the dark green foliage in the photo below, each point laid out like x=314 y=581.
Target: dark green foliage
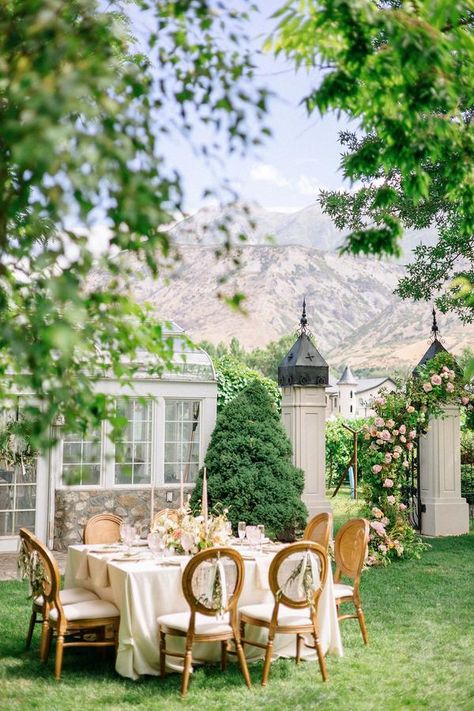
x=249 y=466
x=233 y=376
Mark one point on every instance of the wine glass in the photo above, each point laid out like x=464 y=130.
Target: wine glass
x=241 y=531
x=156 y=544
x=129 y=537
x=261 y=529
x=253 y=535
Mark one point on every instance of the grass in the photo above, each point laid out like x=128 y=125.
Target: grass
x=420 y=616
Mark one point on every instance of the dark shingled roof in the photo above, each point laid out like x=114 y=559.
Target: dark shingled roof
x=303 y=364
x=348 y=377
x=435 y=348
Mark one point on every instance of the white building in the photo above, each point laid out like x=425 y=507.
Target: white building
x=351 y=396
x=170 y=421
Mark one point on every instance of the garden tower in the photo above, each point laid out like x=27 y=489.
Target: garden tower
x=445 y=512
x=347 y=392
x=303 y=376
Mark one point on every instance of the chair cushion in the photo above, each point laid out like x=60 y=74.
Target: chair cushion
x=204 y=624
x=88 y=610
x=69 y=596
x=341 y=590
x=287 y=616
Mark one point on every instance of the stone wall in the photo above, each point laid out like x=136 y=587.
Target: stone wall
x=74 y=507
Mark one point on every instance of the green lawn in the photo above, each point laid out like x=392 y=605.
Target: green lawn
x=420 y=616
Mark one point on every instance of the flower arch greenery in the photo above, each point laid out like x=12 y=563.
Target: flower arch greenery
x=400 y=417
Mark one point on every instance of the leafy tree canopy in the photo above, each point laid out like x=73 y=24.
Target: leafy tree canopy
x=84 y=110
x=402 y=71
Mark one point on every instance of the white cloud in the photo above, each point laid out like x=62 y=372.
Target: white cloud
x=308 y=186
x=267 y=173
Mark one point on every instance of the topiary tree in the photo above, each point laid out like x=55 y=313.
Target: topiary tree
x=233 y=376
x=249 y=466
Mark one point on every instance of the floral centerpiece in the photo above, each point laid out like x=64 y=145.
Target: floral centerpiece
x=183 y=532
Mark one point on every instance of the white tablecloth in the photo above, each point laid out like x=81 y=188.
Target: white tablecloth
x=143 y=590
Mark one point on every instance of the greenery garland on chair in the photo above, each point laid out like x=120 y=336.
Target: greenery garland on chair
x=400 y=417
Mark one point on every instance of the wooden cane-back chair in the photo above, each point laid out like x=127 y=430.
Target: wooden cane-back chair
x=211 y=619
x=350 y=550
x=102 y=528
x=170 y=513
x=319 y=529
x=68 y=596
x=294 y=610
x=70 y=623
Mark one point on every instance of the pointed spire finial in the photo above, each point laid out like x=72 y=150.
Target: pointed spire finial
x=303 y=319
x=434 y=327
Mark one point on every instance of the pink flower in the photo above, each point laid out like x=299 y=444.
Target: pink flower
x=449 y=387
x=406 y=463
x=391 y=499
x=396 y=455
x=465 y=400
x=397 y=448
x=451 y=374
x=403 y=507
x=412 y=434
x=377 y=512
x=390 y=424
x=376 y=468
x=367 y=435
x=388 y=457
x=382 y=548
x=388 y=483
x=395 y=432
x=402 y=429
x=403 y=439
x=378 y=527
x=410 y=408
x=427 y=387
x=379 y=401
x=379 y=441
x=435 y=379
x=445 y=369
x=410 y=445
x=379 y=422
x=373 y=431
x=385 y=521
x=385 y=435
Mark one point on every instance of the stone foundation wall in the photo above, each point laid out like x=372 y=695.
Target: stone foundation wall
x=74 y=507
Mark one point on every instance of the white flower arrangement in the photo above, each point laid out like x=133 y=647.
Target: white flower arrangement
x=185 y=533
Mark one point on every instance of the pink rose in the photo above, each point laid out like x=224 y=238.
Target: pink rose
x=465 y=400
x=385 y=435
x=376 y=468
x=406 y=463
x=396 y=455
x=390 y=424
x=435 y=379
x=395 y=432
x=427 y=387
x=388 y=483
x=449 y=387
x=410 y=408
x=378 y=528
x=379 y=401
x=385 y=521
x=382 y=548
x=403 y=439
x=379 y=422
x=451 y=374
x=412 y=434
x=388 y=457
x=445 y=369
x=379 y=441
x=377 y=512
x=397 y=448
x=403 y=507
x=402 y=429
x=409 y=446
x=391 y=499
x=367 y=435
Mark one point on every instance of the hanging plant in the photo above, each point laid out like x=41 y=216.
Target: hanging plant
x=31 y=569
x=400 y=417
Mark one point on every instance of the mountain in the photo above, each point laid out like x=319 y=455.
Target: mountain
x=352 y=312
x=308 y=227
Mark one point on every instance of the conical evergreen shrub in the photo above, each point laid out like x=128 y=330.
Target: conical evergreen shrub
x=249 y=467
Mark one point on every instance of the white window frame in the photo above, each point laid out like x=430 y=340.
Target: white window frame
x=172 y=485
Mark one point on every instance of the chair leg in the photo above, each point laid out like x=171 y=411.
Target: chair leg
x=162 y=654
x=116 y=627
x=223 y=656
x=268 y=661
x=242 y=661
x=31 y=628
x=319 y=652
x=363 y=627
x=299 y=639
x=45 y=631
x=242 y=633
x=46 y=645
x=58 y=662
x=186 y=671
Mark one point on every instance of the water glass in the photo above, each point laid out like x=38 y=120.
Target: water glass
x=253 y=536
x=241 y=530
x=156 y=543
x=129 y=535
x=261 y=528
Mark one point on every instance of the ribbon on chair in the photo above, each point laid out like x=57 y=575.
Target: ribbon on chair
x=304 y=579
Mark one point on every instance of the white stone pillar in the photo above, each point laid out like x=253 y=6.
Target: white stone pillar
x=303 y=411
x=446 y=512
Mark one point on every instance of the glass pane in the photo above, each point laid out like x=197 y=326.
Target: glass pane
x=24 y=519
x=141 y=474
x=71 y=452
x=6 y=475
x=190 y=451
x=90 y=474
x=141 y=452
x=6 y=523
x=91 y=452
x=172 y=430
x=123 y=474
x=172 y=410
x=171 y=472
x=125 y=408
x=188 y=411
x=193 y=471
x=171 y=452
x=142 y=410
x=72 y=474
x=25 y=497
x=6 y=496
x=141 y=431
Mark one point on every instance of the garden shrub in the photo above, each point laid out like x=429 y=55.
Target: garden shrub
x=249 y=466
x=233 y=377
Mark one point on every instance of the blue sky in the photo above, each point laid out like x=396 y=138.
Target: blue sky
x=301 y=157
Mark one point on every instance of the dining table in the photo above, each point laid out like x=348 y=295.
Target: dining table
x=143 y=588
